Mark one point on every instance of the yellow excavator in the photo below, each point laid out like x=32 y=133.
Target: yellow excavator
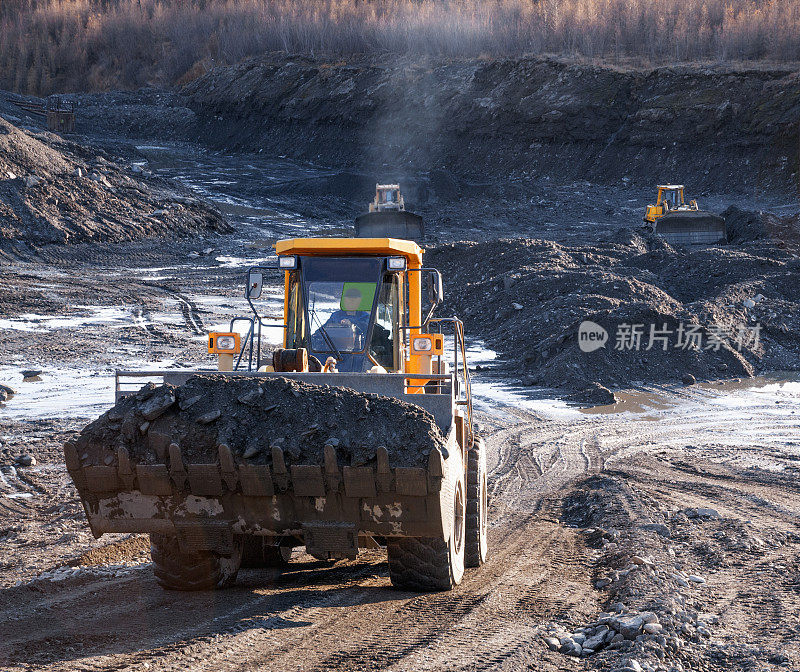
x=683 y=223
x=358 y=318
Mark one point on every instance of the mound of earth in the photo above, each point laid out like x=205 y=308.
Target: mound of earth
x=54 y=191
x=252 y=415
x=645 y=308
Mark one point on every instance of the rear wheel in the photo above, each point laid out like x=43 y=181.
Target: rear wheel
x=431 y=563
x=200 y=570
x=477 y=546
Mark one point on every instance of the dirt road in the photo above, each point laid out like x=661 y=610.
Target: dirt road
x=544 y=466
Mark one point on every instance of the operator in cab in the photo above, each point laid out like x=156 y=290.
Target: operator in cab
x=350 y=315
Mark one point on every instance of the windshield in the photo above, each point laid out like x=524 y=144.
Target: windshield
x=340 y=295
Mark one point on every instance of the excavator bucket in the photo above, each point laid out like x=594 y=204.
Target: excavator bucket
x=691 y=227
x=391 y=224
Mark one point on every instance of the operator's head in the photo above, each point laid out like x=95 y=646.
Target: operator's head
x=351 y=299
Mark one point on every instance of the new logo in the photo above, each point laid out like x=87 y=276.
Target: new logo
x=591 y=336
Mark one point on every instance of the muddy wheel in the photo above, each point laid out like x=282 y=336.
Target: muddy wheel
x=258 y=551
x=477 y=545
x=430 y=563
x=176 y=570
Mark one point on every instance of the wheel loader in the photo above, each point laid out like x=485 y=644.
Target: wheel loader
x=358 y=319
x=681 y=223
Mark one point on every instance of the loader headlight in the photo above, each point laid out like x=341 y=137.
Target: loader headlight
x=396 y=263
x=423 y=344
x=224 y=343
x=427 y=344
x=287 y=263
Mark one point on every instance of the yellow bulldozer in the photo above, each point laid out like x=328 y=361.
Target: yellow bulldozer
x=683 y=223
x=359 y=326
x=387 y=215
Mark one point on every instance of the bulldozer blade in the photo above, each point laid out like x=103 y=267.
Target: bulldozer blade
x=390 y=224
x=691 y=228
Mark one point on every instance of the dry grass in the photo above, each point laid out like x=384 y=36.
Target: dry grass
x=56 y=45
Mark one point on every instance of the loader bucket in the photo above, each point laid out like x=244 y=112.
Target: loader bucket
x=691 y=227
x=205 y=493
x=390 y=224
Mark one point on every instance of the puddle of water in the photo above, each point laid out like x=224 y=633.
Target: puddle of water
x=110 y=316
x=236 y=262
x=66 y=393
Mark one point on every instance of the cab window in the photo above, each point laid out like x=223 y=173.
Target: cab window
x=386 y=340
x=295 y=316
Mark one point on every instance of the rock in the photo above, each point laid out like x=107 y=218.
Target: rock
x=157 y=405
x=552 y=643
x=652 y=628
x=11 y=175
x=639 y=560
x=144 y=426
x=250 y=397
x=517 y=306
x=333 y=441
x=252 y=451
x=658 y=528
x=602 y=583
x=31 y=373
x=595 y=641
x=10 y=391
x=634 y=665
x=26 y=460
x=32 y=181
x=188 y=403
x=3 y=395
x=570 y=647
x=628 y=626
x=595 y=394
x=208 y=418
x=702 y=513
x=688 y=379
x=696 y=579
x=680 y=580
x=749 y=303
x=578 y=637
x=78 y=172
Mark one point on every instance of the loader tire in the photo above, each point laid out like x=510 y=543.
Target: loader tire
x=258 y=552
x=477 y=546
x=204 y=570
x=429 y=563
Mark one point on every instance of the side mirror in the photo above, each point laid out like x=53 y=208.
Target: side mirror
x=255 y=282
x=435 y=289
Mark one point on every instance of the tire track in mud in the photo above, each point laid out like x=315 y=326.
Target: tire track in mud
x=347 y=617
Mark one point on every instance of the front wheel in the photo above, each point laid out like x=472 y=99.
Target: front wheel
x=201 y=570
x=431 y=563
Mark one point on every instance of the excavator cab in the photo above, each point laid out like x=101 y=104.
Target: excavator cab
x=681 y=223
